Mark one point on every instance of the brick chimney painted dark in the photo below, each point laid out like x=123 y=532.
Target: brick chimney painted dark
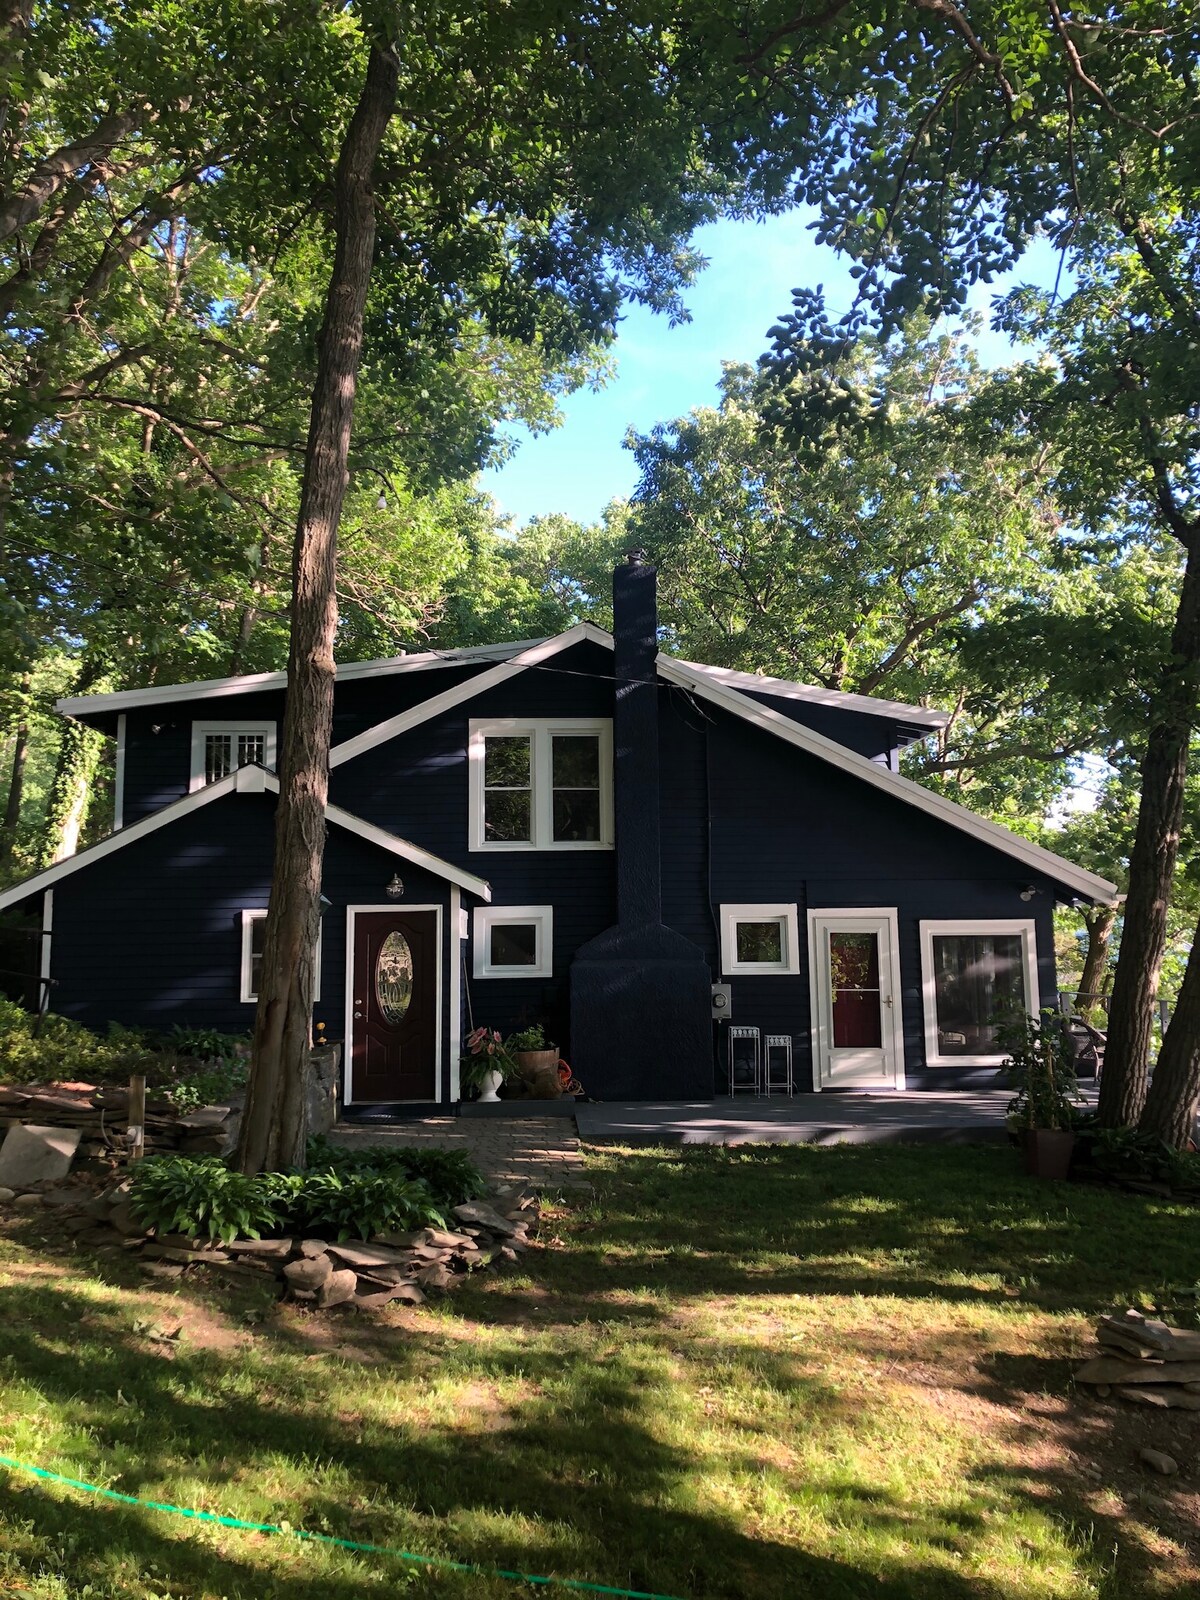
x=641 y=1018
x=635 y=742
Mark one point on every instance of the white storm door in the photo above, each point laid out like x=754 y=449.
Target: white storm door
x=858 y=1040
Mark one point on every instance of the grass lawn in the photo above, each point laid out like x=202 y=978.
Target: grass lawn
x=767 y=1372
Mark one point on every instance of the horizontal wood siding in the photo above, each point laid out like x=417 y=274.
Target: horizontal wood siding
x=151 y=935
x=788 y=827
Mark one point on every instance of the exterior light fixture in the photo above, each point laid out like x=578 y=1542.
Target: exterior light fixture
x=1028 y=892
x=381 y=502
x=395 y=888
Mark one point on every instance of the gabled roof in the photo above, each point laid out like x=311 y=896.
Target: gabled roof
x=540 y=651
x=839 y=699
x=254 y=682
x=246 y=780
x=1088 y=885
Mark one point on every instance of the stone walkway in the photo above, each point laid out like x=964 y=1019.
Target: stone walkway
x=541 y=1150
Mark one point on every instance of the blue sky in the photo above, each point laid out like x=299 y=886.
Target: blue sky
x=663 y=372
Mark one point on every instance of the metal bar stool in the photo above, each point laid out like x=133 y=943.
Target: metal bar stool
x=777 y=1063
x=745 y=1061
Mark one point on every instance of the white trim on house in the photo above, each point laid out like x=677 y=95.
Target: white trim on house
x=541 y=732
x=246 y=991
x=119 y=776
x=217 y=688
x=200 y=731
x=397 y=907
x=534 y=656
x=835 y=919
x=784 y=914
x=456 y=925
x=488 y=917
x=786 y=689
x=1031 y=856
x=47 y=938
x=1025 y=927
x=246 y=780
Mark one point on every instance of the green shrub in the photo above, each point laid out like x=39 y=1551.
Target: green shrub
x=65 y=1050
x=212 y=1085
x=1140 y=1157
x=204 y=1198
x=345 y=1202
x=450 y=1175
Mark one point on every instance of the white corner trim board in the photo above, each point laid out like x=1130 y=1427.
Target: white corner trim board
x=246 y=780
x=1031 y=856
x=370 y=738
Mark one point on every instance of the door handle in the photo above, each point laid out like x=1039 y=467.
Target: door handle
x=887 y=999
x=358 y=1014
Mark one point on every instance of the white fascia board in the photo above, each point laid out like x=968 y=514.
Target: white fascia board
x=371 y=738
x=751 y=682
x=1032 y=856
x=246 y=780
x=215 y=688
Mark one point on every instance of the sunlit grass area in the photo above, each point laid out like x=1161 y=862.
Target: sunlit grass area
x=763 y=1372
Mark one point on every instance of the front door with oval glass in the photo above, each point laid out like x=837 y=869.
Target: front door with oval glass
x=857 y=1035
x=394 y=1006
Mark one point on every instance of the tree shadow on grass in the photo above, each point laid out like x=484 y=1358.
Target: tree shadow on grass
x=580 y=1483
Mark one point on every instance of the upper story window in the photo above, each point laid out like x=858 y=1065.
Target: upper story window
x=541 y=784
x=219 y=748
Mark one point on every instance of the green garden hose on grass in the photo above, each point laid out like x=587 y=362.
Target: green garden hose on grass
x=443 y=1562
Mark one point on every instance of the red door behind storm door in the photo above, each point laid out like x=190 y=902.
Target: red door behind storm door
x=394 y=1014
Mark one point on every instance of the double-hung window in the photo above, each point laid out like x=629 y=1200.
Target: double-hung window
x=541 y=784
x=219 y=748
x=974 y=975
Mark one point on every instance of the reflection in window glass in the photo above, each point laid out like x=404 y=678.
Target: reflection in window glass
x=978 y=978
x=514 y=944
x=575 y=777
x=854 y=984
x=258 y=933
x=761 y=942
x=507 y=792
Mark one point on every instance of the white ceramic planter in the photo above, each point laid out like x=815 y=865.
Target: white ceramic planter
x=489 y=1086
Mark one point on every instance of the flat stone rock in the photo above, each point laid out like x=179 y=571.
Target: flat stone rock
x=484 y=1217
x=310 y=1272
x=367 y=1255
x=1114 y=1369
x=1159 y=1461
x=264 y=1249
x=338 y=1287
x=32 y=1154
x=161 y=1269
x=444 y=1240
x=6 y=1195
x=1165 y=1397
x=435 y=1276
x=66 y=1197
x=311 y=1248
x=28 y=1202
x=402 y=1241
x=409 y=1294
x=121 y=1218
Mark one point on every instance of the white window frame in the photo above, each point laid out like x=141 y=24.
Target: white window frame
x=540 y=731
x=1026 y=927
x=245 y=971
x=488 y=917
x=200 y=732
x=782 y=912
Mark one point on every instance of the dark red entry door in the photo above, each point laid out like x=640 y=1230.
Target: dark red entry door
x=394 y=1014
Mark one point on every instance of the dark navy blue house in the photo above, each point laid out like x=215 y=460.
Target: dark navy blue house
x=577 y=831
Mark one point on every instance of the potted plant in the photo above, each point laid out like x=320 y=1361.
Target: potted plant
x=537 y=1060
x=487 y=1064
x=1041 y=1063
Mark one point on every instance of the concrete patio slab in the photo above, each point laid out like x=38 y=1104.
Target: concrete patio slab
x=904 y=1118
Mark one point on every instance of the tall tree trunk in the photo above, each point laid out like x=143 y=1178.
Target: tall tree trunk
x=1100 y=922
x=1170 y=1112
x=273 y=1127
x=16 y=781
x=70 y=794
x=1152 y=864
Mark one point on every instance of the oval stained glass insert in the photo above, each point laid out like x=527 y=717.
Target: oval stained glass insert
x=394 y=978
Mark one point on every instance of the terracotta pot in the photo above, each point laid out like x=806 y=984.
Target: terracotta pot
x=1047 y=1151
x=539 y=1068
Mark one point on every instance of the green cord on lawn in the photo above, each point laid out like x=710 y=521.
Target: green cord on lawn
x=326 y=1538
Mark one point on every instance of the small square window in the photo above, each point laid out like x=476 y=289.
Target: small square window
x=759 y=939
x=514 y=942
x=254 y=928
